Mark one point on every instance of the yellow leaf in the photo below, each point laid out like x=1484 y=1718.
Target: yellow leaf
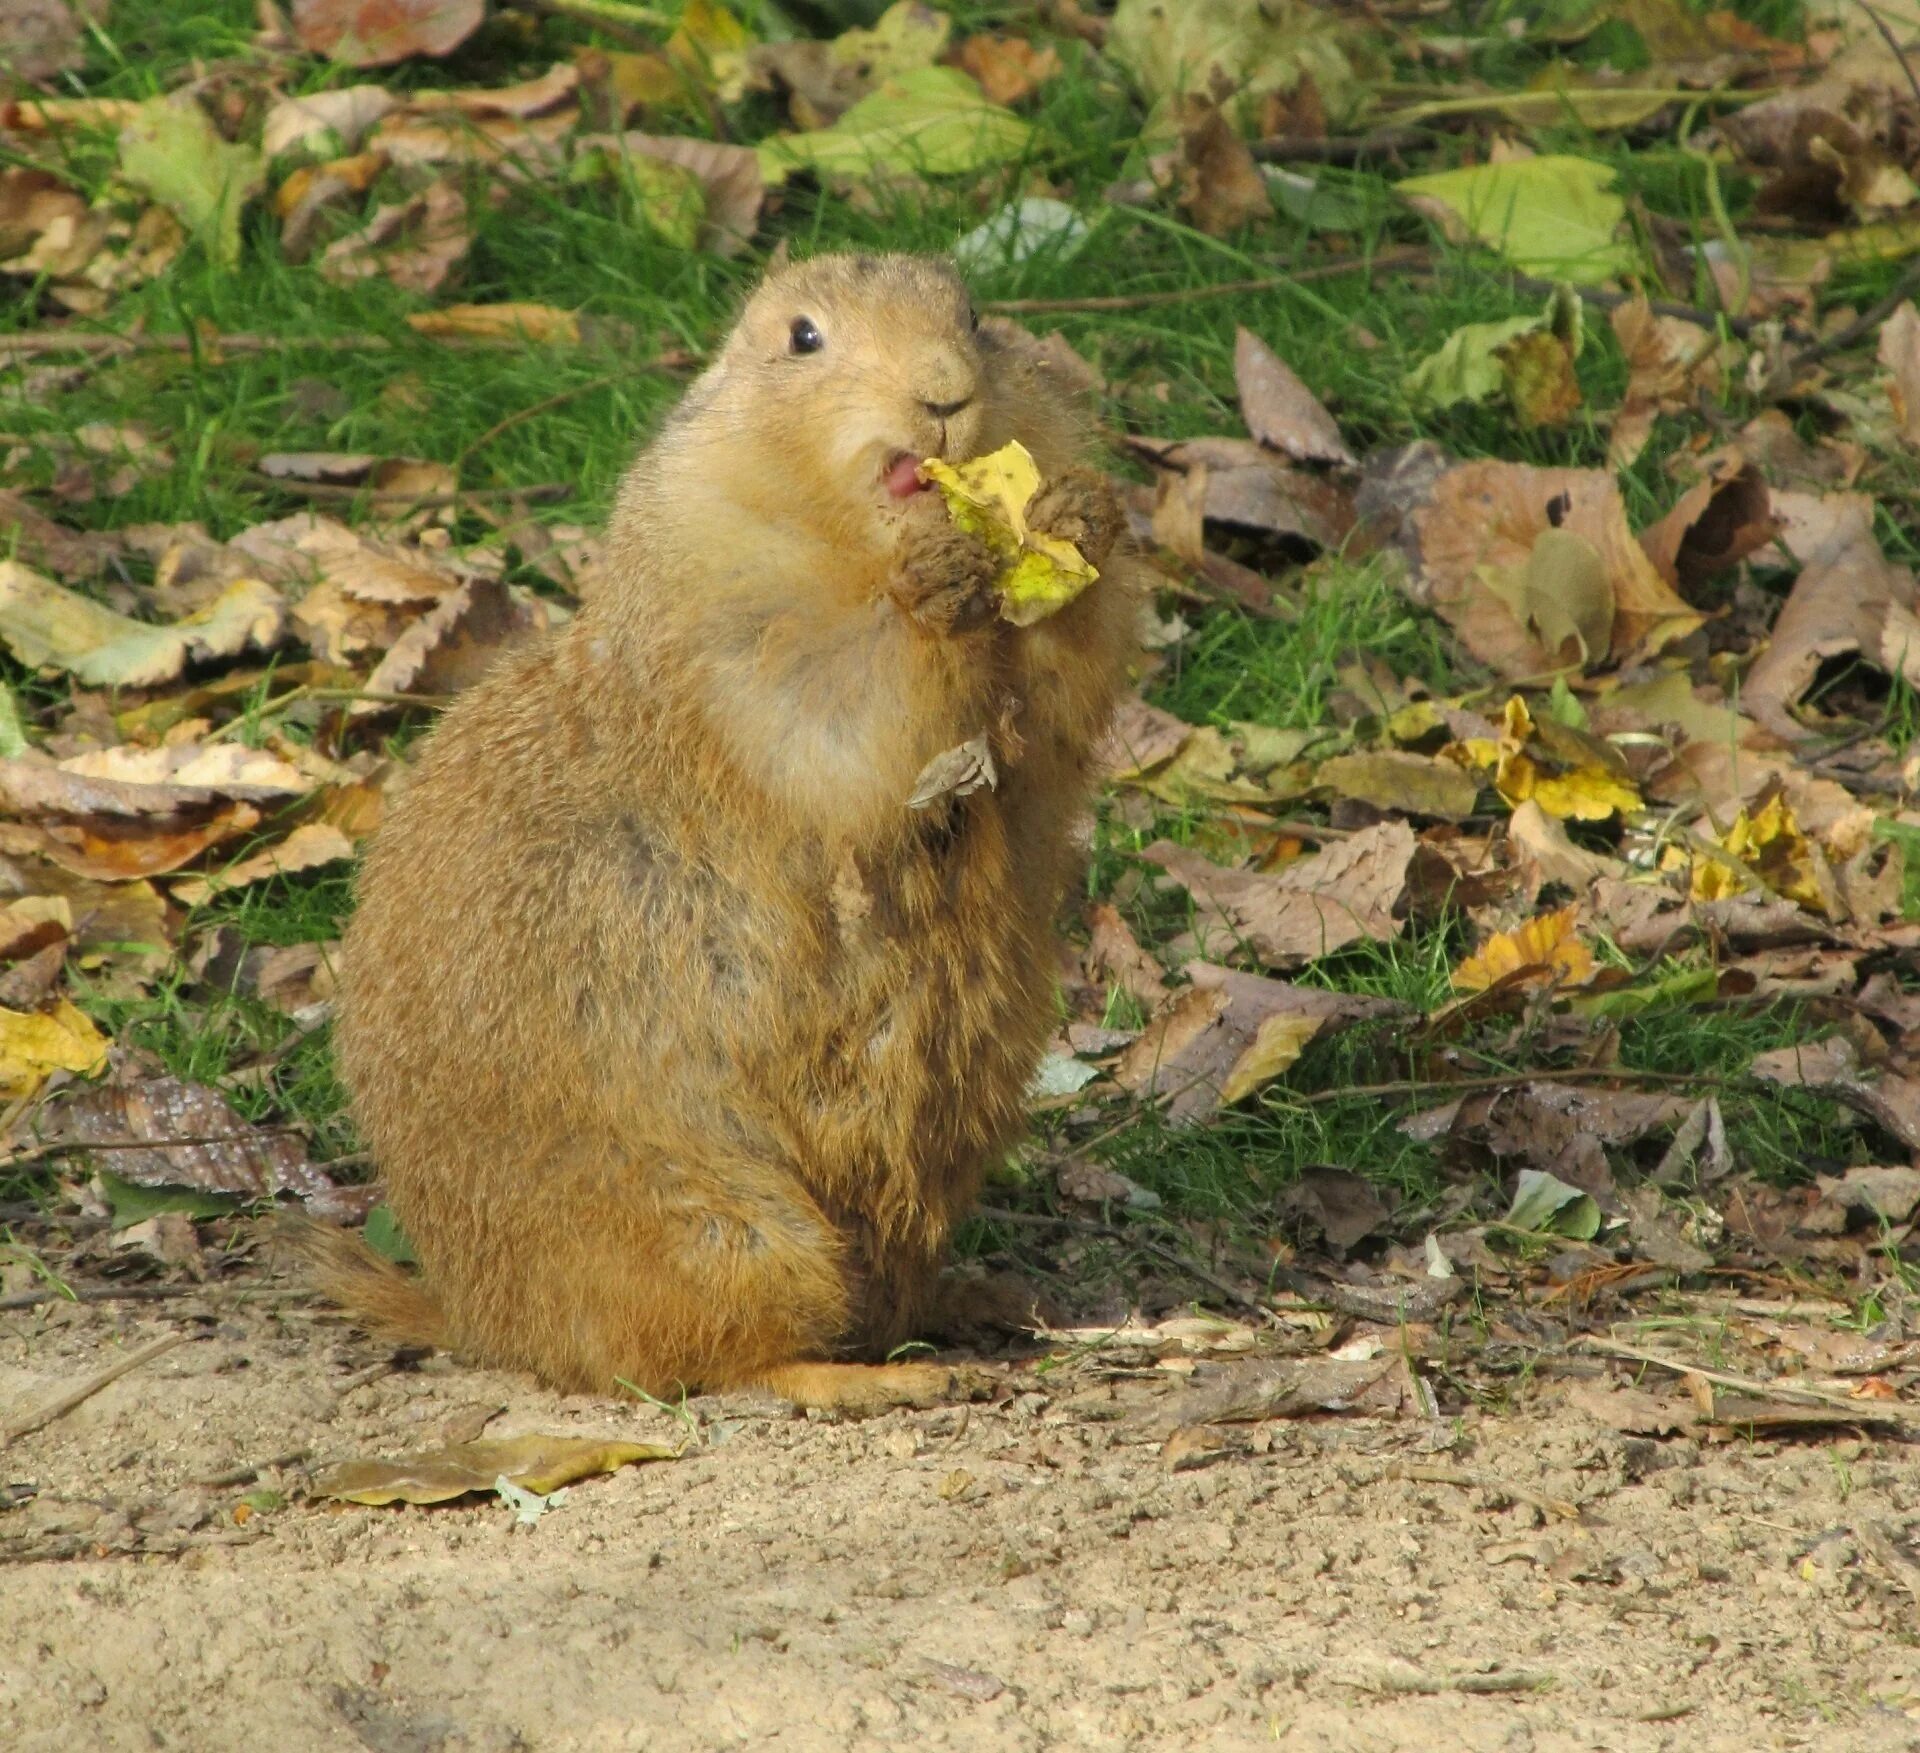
x=33 y=1045
x=534 y=1463
x=539 y=323
x=1588 y=790
x=1543 y=951
x=1766 y=845
x=988 y=497
x=1272 y=1050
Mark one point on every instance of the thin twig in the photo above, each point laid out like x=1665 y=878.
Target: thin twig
x=1343 y=151
x=28 y=1422
x=1865 y=323
x=536 y=408
x=1899 y=54
x=1878 y=1411
x=1502 y=1080
x=1014 y=307
x=150 y=1293
x=540 y=493
x=1112 y=1232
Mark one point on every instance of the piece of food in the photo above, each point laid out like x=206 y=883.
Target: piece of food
x=988 y=497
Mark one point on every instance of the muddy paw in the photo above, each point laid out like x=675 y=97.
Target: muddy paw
x=1080 y=507
x=932 y=1384
x=945 y=579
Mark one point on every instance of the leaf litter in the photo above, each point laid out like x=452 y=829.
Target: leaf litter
x=1662 y=773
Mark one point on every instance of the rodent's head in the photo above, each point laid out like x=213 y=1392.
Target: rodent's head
x=844 y=371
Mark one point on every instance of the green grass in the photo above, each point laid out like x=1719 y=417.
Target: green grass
x=1169 y=372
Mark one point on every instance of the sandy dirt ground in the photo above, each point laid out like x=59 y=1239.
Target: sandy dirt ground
x=1039 y=1572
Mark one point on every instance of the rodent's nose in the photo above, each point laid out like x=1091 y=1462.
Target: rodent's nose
x=946 y=410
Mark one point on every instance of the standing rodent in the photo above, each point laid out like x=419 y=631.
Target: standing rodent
x=680 y=1041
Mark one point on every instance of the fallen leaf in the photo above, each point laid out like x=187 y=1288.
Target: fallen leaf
x=1526 y=360
x=1891 y=1101
x=558 y=86
x=325 y=124
x=1899 y=352
x=1220 y=185
x=455 y=642
x=1280 y=411
x=1344 y=1207
x=537 y=1463
x=1848 y=600
x=933 y=121
x=1525 y=609
x=1566 y=772
x=540 y=324
x=1244 y=1393
x=1258 y=50
x=1547 y=1205
x=1718 y=522
x=196 y=1140
x=732 y=186
x=1402 y=783
x=34 y=1046
x=1248 y=486
x=1141 y=738
x=1010 y=69
x=1554 y=854
x=1113 y=951
x=1670 y=362
x=308 y=847
x=417 y=243
x=377 y=33
x=173 y=152
x=1543 y=951
x=1227 y=1034
x=1550 y=215
x=45 y=624
x=512 y=149
x=40 y=39
x=1032 y=226
x=1345 y=894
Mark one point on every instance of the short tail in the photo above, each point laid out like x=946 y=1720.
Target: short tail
x=382 y=1297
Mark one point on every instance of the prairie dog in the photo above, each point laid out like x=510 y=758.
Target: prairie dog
x=680 y=1040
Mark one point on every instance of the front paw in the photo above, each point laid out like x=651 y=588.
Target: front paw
x=1081 y=507
x=945 y=578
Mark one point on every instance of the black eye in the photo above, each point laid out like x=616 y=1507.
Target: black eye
x=805 y=336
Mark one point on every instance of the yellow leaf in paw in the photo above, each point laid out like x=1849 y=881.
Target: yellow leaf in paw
x=988 y=498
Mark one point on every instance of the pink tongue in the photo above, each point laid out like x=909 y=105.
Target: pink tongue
x=903 y=479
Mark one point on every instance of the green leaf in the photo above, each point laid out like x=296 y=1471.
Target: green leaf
x=933 y=121
x=173 y=152
x=383 y=1234
x=1546 y=1205
x=131 y=1203
x=13 y=732
x=1554 y=216
x=1481 y=361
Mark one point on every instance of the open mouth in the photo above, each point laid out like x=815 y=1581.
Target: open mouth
x=901 y=475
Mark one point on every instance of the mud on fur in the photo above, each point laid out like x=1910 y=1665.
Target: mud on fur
x=680 y=1042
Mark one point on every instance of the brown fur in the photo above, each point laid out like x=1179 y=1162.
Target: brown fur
x=680 y=1041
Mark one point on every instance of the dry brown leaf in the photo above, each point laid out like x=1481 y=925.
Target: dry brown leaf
x=1346 y=894
x=1719 y=521
x=1891 y=1100
x=1899 y=352
x=1113 y=951
x=1845 y=601
x=1477 y=539
x=1280 y=411
x=1227 y=1034
x=197 y=1141
x=325 y=123
x=535 y=1463
x=1141 y=738
x=729 y=176
x=1008 y=68
x=514 y=150
x=559 y=85
x=1669 y=363
x=377 y=33
x=1220 y=185
x=452 y=645
x=417 y=244
x=40 y=39
x=308 y=847
x=1554 y=854
x=1381 y=1387
x=118 y=933
x=1249 y=487
x=1179 y=515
